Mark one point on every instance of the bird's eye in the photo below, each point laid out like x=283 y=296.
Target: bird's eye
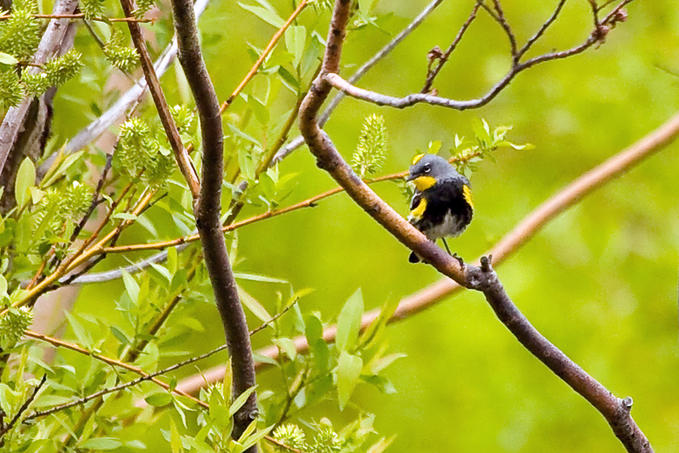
x=427 y=169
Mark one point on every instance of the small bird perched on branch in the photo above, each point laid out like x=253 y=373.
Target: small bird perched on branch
x=442 y=204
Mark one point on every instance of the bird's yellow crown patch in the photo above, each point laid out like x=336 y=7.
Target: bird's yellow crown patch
x=467 y=194
x=417 y=158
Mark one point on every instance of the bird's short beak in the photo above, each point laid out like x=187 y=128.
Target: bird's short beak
x=410 y=177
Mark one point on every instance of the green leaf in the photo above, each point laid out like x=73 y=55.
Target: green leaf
x=255 y=437
x=266 y=13
x=258 y=278
x=434 y=147
x=172 y=260
x=124 y=216
x=6 y=58
x=382 y=383
x=287 y=345
x=295 y=38
x=79 y=330
x=175 y=438
x=348 y=371
x=349 y=322
x=61 y=168
x=380 y=364
x=313 y=328
x=25 y=179
x=3 y=287
x=159 y=399
x=131 y=286
x=242 y=398
x=381 y=445
x=254 y=306
x=101 y=443
x=119 y=335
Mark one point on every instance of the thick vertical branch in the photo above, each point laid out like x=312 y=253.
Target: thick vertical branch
x=208 y=210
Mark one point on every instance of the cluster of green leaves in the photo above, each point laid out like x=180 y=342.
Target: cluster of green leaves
x=328 y=372
x=468 y=152
x=54 y=73
x=92 y=8
x=371 y=150
x=13 y=394
x=142 y=152
x=482 y=145
x=20 y=34
x=12 y=326
x=325 y=439
x=119 y=54
x=143 y=6
x=19 y=38
x=256 y=124
x=46 y=213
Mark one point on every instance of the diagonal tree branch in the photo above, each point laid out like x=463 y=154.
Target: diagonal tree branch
x=525 y=230
x=181 y=155
x=14 y=122
x=208 y=212
x=484 y=279
x=129 y=98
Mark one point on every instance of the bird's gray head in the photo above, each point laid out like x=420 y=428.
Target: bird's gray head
x=427 y=169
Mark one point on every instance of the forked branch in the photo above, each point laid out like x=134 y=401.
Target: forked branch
x=484 y=279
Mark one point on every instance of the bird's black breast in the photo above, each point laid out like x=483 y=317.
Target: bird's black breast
x=445 y=197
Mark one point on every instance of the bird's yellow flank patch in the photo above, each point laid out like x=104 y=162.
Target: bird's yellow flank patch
x=424 y=182
x=418 y=212
x=417 y=158
x=467 y=194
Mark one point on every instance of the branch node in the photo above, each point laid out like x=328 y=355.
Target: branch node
x=627 y=403
x=486 y=263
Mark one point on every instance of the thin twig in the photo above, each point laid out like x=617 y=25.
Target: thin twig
x=597 y=35
x=442 y=59
x=360 y=72
x=82 y=16
x=541 y=30
x=502 y=20
x=150 y=376
x=4 y=429
x=109 y=361
x=265 y=53
x=180 y=153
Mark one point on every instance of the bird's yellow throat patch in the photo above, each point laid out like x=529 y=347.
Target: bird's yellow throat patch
x=467 y=194
x=424 y=182
x=417 y=158
x=418 y=212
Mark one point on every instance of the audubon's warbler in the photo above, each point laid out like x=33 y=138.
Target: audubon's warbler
x=442 y=204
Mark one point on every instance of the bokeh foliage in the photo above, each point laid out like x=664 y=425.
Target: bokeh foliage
x=600 y=281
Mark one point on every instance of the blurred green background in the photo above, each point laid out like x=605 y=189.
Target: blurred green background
x=600 y=281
